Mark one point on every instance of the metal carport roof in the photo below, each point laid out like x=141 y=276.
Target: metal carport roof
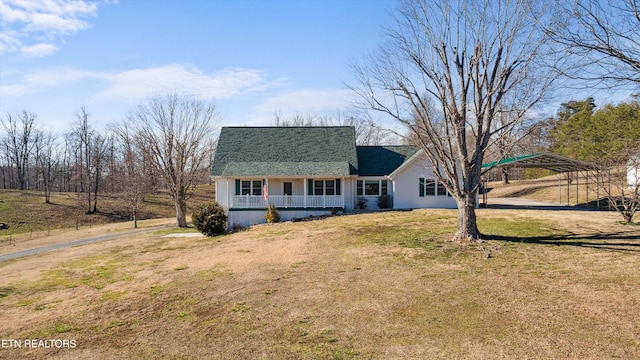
x=549 y=161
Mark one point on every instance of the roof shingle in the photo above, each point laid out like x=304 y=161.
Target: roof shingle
x=286 y=151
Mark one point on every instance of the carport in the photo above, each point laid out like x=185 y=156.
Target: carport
x=557 y=163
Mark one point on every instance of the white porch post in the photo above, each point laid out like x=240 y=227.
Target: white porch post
x=305 y=192
x=342 y=188
x=229 y=194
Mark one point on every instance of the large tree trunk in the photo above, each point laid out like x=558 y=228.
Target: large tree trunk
x=467 y=225
x=181 y=211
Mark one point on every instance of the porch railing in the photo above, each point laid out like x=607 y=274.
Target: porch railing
x=288 y=201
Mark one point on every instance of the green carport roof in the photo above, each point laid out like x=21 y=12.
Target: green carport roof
x=549 y=161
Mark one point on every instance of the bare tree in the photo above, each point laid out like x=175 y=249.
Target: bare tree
x=600 y=39
x=177 y=135
x=368 y=132
x=618 y=178
x=83 y=134
x=447 y=70
x=133 y=183
x=48 y=162
x=19 y=143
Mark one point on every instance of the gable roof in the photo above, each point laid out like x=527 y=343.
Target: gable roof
x=286 y=151
x=383 y=160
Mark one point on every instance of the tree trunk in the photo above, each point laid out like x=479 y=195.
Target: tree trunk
x=505 y=176
x=467 y=225
x=181 y=210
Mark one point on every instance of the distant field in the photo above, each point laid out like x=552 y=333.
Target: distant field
x=26 y=211
x=556 y=285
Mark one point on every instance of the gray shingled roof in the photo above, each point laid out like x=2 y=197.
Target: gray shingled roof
x=286 y=151
x=382 y=160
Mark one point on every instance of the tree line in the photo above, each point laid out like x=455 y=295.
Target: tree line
x=165 y=143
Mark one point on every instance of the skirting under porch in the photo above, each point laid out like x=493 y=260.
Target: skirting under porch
x=247 y=217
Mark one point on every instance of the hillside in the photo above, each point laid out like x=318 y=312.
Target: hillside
x=26 y=211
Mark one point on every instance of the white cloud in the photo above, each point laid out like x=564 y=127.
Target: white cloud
x=305 y=102
x=38 y=50
x=308 y=101
x=131 y=86
x=44 y=80
x=30 y=21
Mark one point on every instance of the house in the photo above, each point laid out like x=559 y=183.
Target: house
x=308 y=171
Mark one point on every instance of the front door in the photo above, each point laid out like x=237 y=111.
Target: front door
x=288 y=188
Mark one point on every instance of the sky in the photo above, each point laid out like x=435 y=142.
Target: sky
x=252 y=58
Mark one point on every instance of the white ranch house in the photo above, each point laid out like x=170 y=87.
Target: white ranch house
x=308 y=171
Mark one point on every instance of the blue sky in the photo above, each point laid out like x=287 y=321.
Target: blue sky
x=252 y=58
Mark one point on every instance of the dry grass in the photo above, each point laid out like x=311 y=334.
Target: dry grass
x=26 y=212
x=390 y=285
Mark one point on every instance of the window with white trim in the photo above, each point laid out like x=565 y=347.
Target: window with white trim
x=323 y=187
x=372 y=187
x=432 y=187
x=251 y=187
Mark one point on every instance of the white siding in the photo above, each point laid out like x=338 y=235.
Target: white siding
x=406 y=187
x=222 y=192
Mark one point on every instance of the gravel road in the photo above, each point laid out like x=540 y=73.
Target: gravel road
x=85 y=241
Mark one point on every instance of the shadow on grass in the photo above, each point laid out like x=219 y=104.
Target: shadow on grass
x=614 y=241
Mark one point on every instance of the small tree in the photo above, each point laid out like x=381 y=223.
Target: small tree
x=272 y=215
x=209 y=219
x=618 y=178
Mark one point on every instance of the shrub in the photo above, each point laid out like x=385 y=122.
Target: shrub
x=362 y=202
x=385 y=202
x=209 y=219
x=272 y=215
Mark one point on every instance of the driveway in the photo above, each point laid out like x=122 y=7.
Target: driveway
x=84 y=241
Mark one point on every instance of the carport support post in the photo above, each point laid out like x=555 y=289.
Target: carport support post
x=587 y=180
x=560 y=188
x=598 y=189
x=577 y=188
x=568 y=187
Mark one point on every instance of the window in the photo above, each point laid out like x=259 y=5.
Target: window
x=372 y=187
x=323 y=187
x=429 y=187
x=250 y=187
x=330 y=187
x=246 y=187
x=257 y=187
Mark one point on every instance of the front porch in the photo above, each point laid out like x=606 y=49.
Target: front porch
x=287 y=201
x=288 y=193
